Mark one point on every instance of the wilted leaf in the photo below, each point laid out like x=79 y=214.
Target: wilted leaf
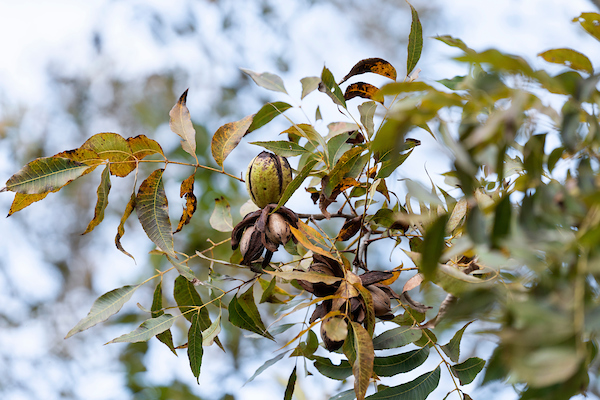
x=570 y=58
x=295 y=183
x=102 y=202
x=468 y=370
x=311 y=239
x=181 y=123
x=289 y=389
x=267 y=80
x=23 y=200
x=361 y=89
x=221 y=219
x=329 y=87
x=121 y=229
x=433 y=246
x=114 y=148
x=44 y=175
x=153 y=212
x=283 y=148
x=312 y=277
x=400 y=363
x=396 y=337
x=412 y=283
x=362 y=368
x=458 y=213
x=266 y=365
x=187 y=190
x=375 y=65
x=106 y=305
x=590 y=21
x=244 y=314
x=417 y=389
x=452 y=349
x=195 y=350
x=337 y=128
x=309 y=84
x=147 y=329
x=350 y=228
x=415 y=41
x=267 y=113
x=227 y=137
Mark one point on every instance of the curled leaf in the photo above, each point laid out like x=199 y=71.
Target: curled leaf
x=375 y=65
x=181 y=124
x=102 y=202
x=187 y=191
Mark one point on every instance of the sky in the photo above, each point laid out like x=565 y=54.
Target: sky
x=39 y=35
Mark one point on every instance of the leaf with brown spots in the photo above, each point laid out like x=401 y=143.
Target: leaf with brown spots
x=102 y=202
x=374 y=65
x=141 y=146
x=114 y=148
x=187 y=191
x=361 y=89
x=351 y=227
x=227 y=137
x=121 y=229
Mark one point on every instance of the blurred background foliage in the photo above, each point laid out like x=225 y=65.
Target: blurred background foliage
x=51 y=273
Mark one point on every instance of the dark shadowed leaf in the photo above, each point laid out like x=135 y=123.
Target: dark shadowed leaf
x=309 y=84
x=349 y=229
x=106 y=305
x=114 y=148
x=331 y=370
x=400 y=363
x=266 y=365
x=590 y=21
x=502 y=220
x=570 y=58
x=102 y=201
x=361 y=89
x=244 y=314
x=121 y=229
x=415 y=41
x=187 y=190
x=147 y=329
x=452 y=348
x=181 y=123
x=289 y=389
x=195 y=350
x=345 y=395
x=267 y=113
x=375 y=65
x=153 y=212
x=468 y=370
x=267 y=80
x=220 y=218
x=433 y=246
x=45 y=175
x=283 y=148
x=417 y=389
x=396 y=337
x=329 y=87
x=227 y=137
x=165 y=337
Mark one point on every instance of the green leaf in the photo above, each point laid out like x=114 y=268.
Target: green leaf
x=283 y=148
x=454 y=42
x=336 y=147
x=433 y=246
x=187 y=298
x=195 y=350
x=220 y=218
x=362 y=367
x=391 y=162
x=309 y=84
x=44 y=175
x=295 y=183
x=396 y=337
x=468 y=370
x=400 y=363
x=308 y=132
x=415 y=41
x=244 y=314
x=153 y=212
x=345 y=395
x=227 y=137
x=452 y=348
x=121 y=229
x=187 y=190
x=590 y=21
x=327 y=368
x=147 y=329
x=502 y=220
x=570 y=58
x=374 y=65
x=266 y=365
x=289 y=389
x=183 y=269
x=165 y=337
x=417 y=389
x=266 y=80
x=342 y=168
x=114 y=148
x=181 y=123
x=452 y=83
x=267 y=113
x=102 y=202
x=367 y=112
x=106 y=305
x=329 y=87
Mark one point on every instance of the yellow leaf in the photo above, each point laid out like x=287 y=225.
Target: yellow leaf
x=227 y=137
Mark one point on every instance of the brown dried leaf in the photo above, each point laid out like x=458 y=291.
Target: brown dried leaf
x=375 y=65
